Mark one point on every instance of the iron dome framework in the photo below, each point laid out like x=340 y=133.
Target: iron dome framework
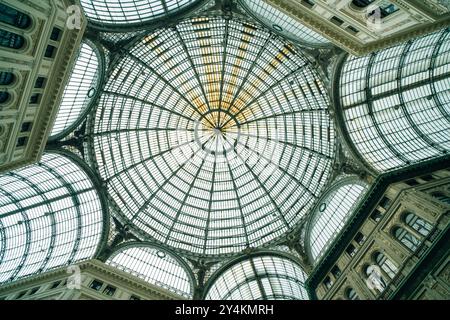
x=210 y=137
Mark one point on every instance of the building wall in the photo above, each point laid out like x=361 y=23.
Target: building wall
x=349 y=27
x=378 y=235
x=40 y=68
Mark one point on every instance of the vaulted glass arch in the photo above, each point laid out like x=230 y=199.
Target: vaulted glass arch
x=282 y=23
x=155 y=266
x=50 y=216
x=260 y=278
x=331 y=215
x=80 y=89
x=122 y=12
x=213 y=136
x=396 y=102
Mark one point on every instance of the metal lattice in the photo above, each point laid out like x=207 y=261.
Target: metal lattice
x=260 y=278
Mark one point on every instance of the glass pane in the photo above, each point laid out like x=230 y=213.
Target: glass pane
x=154 y=266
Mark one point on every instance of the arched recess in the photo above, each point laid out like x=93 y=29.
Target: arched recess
x=128 y=15
x=261 y=276
x=51 y=215
x=81 y=89
x=331 y=214
x=156 y=265
x=281 y=23
x=395 y=103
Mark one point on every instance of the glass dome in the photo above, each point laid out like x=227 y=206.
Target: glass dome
x=50 y=216
x=332 y=214
x=259 y=278
x=155 y=266
x=80 y=89
x=213 y=136
x=122 y=12
x=282 y=23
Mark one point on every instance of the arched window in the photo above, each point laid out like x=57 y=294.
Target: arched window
x=386 y=264
x=351 y=294
x=6 y=78
x=11 y=40
x=408 y=239
x=418 y=224
x=442 y=197
x=13 y=17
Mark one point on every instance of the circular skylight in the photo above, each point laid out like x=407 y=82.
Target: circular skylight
x=131 y=11
x=213 y=136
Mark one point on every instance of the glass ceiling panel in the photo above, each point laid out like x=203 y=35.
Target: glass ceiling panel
x=331 y=216
x=79 y=90
x=396 y=102
x=131 y=11
x=50 y=216
x=154 y=266
x=260 y=278
x=282 y=23
x=213 y=136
